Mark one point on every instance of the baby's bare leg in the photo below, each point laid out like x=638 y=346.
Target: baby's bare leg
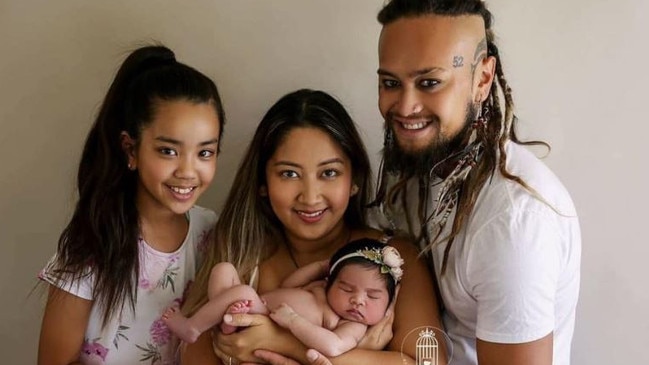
x=210 y=314
x=222 y=277
x=180 y=325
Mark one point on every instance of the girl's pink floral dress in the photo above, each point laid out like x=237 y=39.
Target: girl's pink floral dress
x=141 y=337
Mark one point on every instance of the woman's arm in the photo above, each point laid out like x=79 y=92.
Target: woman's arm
x=306 y=274
x=199 y=352
x=417 y=306
x=62 y=330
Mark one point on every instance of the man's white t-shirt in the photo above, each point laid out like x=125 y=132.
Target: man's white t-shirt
x=513 y=271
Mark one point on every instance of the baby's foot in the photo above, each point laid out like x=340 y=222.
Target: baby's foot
x=242 y=306
x=180 y=325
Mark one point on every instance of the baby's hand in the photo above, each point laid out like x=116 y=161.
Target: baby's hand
x=283 y=315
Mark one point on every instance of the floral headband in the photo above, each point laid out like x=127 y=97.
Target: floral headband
x=388 y=259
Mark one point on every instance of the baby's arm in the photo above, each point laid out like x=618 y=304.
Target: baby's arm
x=329 y=343
x=307 y=274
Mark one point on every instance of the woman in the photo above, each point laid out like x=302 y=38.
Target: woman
x=298 y=197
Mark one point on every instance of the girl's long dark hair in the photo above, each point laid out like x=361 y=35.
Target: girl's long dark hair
x=100 y=241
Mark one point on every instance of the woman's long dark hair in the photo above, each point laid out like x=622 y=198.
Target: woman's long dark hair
x=247 y=226
x=100 y=241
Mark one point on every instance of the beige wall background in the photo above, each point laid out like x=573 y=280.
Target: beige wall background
x=578 y=70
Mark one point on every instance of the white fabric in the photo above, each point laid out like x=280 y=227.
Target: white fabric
x=164 y=279
x=513 y=271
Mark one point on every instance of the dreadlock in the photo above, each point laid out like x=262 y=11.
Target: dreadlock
x=492 y=135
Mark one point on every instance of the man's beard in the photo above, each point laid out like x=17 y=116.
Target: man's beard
x=396 y=160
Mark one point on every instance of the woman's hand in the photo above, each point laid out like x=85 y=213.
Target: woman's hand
x=274 y=358
x=259 y=332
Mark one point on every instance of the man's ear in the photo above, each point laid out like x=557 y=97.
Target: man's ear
x=128 y=146
x=263 y=191
x=485 y=74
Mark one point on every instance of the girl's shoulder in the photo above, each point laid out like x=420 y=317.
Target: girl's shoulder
x=202 y=217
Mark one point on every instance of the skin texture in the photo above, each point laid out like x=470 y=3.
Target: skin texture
x=176 y=151
x=309 y=243
x=425 y=79
x=359 y=289
x=332 y=322
x=190 y=160
x=309 y=174
x=430 y=67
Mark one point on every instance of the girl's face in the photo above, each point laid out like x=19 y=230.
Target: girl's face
x=309 y=183
x=176 y=156
x=359 y=294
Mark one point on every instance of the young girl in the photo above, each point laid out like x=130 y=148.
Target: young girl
x=362 y=279
x=131 y=247
x=297 y=198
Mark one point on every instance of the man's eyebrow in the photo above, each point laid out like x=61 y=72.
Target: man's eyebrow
x=412 y=74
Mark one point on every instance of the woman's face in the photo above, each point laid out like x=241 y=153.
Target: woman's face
x=309 y=183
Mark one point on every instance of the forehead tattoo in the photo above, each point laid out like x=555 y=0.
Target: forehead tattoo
x=479 y=54
x=458 y=61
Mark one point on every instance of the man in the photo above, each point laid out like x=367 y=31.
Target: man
x=500 y=228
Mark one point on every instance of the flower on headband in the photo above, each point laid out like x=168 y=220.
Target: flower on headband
x=392 y=261
x=387 y=258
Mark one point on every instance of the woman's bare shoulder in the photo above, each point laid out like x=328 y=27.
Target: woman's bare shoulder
x=403 y=244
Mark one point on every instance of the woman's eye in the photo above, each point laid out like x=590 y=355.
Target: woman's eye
x=168 y=151
x=288 y=174
x=206 y=154
x=330 y=173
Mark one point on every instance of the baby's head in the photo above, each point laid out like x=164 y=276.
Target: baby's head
x=363 y=276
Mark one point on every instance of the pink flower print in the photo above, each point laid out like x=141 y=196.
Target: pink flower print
x=144 y=284
x=204 y=240
x=92 y=352
x=159 y=333
x=173 y=258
